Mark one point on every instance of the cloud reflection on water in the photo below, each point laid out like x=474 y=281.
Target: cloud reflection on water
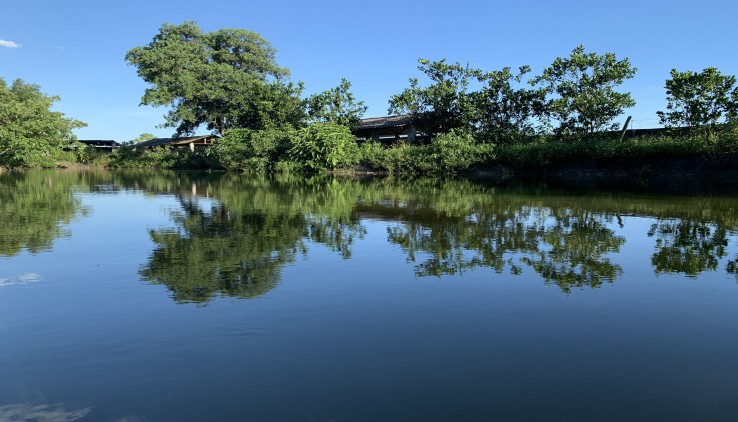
x=21 y=279
x=41 y=413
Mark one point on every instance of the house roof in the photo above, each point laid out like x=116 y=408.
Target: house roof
x=384 y=122
x=97 y=141
x=182 y=140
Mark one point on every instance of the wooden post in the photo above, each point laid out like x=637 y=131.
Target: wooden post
x=625 y=127
x=411 y=134
x=375 y=135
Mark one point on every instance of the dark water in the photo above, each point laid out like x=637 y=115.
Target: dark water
x=141 y=296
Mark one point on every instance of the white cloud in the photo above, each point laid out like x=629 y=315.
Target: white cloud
x=8 y=44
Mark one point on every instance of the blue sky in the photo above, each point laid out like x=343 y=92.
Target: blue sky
x=75 y=49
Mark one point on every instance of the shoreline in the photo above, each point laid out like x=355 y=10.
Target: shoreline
x=683 y=169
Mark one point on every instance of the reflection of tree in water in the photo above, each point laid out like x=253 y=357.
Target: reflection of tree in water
x=688 y=246
x=239 y=250
x=732 y=267
x=34 y=207
x=239 y=246
x=219 y=252
x=568 y=252
x=259 y=224
x=574 y=251
x=338 y=235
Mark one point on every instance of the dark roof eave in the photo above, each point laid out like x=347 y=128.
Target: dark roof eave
x=384 y=122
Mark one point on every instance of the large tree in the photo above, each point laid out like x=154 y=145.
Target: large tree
x=505 y=109
x=492 y=105
x=445 y=104
x=581 y=89
x=223 y=79
x=31 y=134
x=700 y=100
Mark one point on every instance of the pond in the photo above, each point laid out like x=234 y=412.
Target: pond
x=150 y=296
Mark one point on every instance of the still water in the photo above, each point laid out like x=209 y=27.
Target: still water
x=154 y=296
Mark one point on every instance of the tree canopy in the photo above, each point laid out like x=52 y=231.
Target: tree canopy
x=700 y=100
x=445 y=104
x=31 y=134
x=506 y=109
x=223 y=79
x=582 y=90
x=337 y=105
x=493 y=105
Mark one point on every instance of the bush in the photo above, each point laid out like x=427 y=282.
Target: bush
x=129 y=156
x=448 y=153
x=545 y=153
x=288 y=166
x=401 y=158
x=453 y=152
x=253 y=150
x=325 y=146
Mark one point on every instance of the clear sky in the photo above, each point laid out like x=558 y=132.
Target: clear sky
x=76 y=49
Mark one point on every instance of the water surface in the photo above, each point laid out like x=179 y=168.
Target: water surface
x=148 y=296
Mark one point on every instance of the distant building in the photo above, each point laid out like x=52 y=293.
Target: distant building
x=388 y=130
x=190 y=142
x=103 y=145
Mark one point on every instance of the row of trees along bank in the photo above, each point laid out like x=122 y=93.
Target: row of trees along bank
x=229 y=82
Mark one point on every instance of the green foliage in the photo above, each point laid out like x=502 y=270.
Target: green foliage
x=399 y=159
x=700 y=100
x=223 y=79
x=445 y=104
x=89 y=155
x=448 y=153
x=253 y=150
x=506 y=111
x=336 y=105
x=143 y=138
x=545 y=152
x=130 y=156
x=494 y=106
x=453 y=152
x=581 y=89
x=325 y=146
x=288 y=166
x=31 y=135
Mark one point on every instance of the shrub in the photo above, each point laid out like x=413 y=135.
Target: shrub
x=288 y=166
x=453 y=152
x=253 y=150
x=129 y=156
x=448 y=153
x=325 y=146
